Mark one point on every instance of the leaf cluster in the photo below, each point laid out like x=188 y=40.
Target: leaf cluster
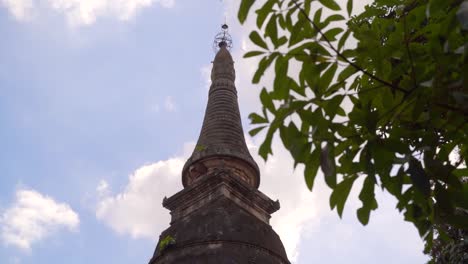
x=391 y=111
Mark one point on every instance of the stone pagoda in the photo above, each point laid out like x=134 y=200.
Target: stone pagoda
x=220 y=216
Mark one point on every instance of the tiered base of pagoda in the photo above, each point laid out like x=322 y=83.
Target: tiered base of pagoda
x=220 y=220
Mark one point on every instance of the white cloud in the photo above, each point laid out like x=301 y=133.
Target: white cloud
x=169 y=104
x=83 y=12
x=299 y=208
x=33 y=217
x=102 y=189
x=20 y=9
x=138 y=212
x=205 y=72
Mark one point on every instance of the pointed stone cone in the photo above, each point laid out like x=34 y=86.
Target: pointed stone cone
x=221 y=144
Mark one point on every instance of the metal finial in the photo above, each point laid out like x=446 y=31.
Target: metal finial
x=222 y=39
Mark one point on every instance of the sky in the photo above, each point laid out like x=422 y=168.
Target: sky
x=101 y=103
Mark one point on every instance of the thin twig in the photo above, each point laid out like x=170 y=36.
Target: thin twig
x=366 y=90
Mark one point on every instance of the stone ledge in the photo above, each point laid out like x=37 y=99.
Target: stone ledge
x=213 y=186
x=179 y=252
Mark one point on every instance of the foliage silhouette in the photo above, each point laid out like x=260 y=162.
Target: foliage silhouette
x=392 y=109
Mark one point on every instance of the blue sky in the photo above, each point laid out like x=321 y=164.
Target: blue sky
x=100 y=104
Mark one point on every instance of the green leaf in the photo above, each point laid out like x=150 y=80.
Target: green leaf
x=363 y=215
x=461 y=172
x=437 y=6
x=331 y=34
x=367 y=192
x=257 y=39
x=349 y=53
x=317 y=16
x=419 y=177
x=349 y=7
x=281 y=41
x=295 y=86
x=296 y=142
x=332 y=105
x=271 y=30
x=297 y=34
x=343 y=39
x=371 y=119
x=367 y=196
x=444 y=202
x=436 y=169
x=244 y=10
x=262 y=66
x=282 y=22
x=327 y=163
x=311 y=168
x=459 y=221
x=394 y=184
x=257 y=119
x=340 y=194
x=330 y=4
x=281 y=81
x=314 y=48
x=334 y=88
x=253 y=54
x=307 y=4
x=263 y=12
x=346 y=73
x=265 y=147
x=332 y=18
x=327 y=77
x=266 y=100
x=256 y=130
x=460 y=196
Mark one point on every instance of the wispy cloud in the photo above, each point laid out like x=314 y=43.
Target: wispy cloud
x=20 y=9
x=34 y=216
x=169 y=104
x=82 y=12
x=205 y=72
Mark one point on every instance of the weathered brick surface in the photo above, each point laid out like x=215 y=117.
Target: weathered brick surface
x=222 y=133
x=221 y=233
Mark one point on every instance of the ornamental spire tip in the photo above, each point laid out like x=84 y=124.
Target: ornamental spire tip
x=222 y=39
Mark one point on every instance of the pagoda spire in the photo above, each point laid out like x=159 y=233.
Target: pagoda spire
x=220 y=216
x=221 y=143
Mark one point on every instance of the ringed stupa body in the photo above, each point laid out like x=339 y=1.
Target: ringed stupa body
x=220 y=216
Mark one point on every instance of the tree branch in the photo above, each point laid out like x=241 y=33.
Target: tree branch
x=340 y=55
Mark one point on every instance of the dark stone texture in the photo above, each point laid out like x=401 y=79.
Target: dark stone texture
x=222 y=133
x=221 y=232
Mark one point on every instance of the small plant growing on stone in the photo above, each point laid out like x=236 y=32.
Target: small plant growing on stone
x=166 y=242
x=200 y=148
